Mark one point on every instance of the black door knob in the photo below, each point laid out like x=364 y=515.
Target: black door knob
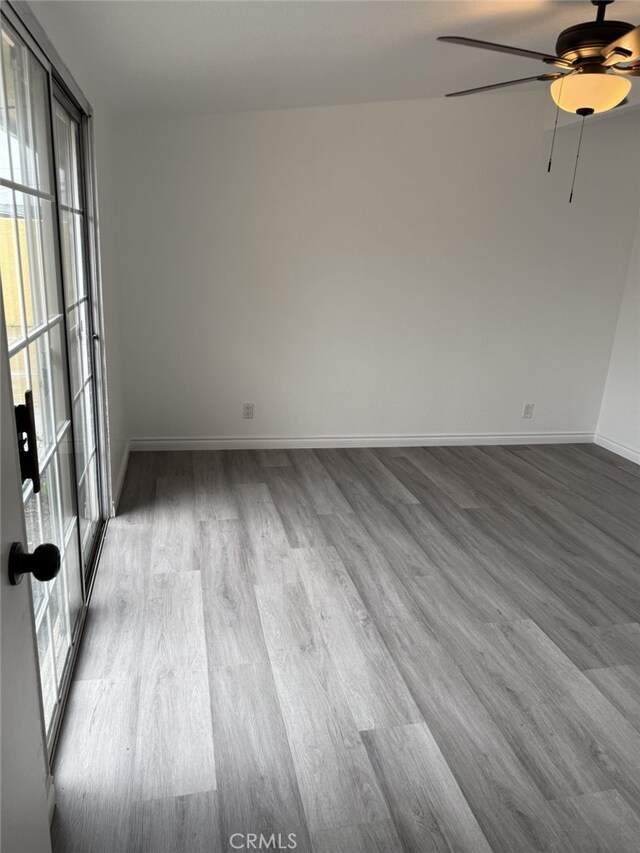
x=43 y=564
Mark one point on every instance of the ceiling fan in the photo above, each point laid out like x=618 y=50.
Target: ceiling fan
x=596 y=59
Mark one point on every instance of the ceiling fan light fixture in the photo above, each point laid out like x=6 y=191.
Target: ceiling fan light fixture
x=589 y=89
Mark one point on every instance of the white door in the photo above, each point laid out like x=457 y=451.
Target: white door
x=25 y=824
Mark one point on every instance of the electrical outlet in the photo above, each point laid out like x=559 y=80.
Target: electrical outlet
x=247 y=410
x=527 y=410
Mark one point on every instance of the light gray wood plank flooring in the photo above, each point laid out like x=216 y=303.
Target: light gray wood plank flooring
x=257 y=786
x=621 y=685
x=379 y=837
x=337 y=783
x=189 y=822
x=377 y=651
x=94 y=776
x=427 y=804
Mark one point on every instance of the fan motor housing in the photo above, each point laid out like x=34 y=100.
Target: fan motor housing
x=585 y=41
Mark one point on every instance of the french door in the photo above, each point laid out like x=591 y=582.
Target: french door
x=79 y=320
x=48 y=309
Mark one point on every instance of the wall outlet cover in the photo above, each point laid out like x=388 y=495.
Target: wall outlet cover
x=527 y=410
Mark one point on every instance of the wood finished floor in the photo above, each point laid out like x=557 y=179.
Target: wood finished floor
x=377 y=650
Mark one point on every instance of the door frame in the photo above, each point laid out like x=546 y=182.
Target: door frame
x=61 y=84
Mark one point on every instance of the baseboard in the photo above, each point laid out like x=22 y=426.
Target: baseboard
x=617 y=447
x=291 y=443
x=116 y=488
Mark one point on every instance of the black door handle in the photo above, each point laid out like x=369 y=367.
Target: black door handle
x=43 y=564
x=27 y=441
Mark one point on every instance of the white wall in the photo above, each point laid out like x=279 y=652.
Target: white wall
x=619 y=423
x=112 y=300
x=391 y=269
x=81 y=69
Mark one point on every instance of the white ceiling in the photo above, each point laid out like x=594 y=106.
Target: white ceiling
x=181 y=56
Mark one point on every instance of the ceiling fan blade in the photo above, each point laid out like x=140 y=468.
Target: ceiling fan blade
x=624 y=49
x=500 y=85
x=617 y=55
x=630 y=70
x=503 y=48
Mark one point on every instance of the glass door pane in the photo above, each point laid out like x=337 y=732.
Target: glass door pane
x=78 y=319
x=39 y=326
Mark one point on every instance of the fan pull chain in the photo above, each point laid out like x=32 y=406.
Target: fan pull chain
x=584 y=113
x=555 y=126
